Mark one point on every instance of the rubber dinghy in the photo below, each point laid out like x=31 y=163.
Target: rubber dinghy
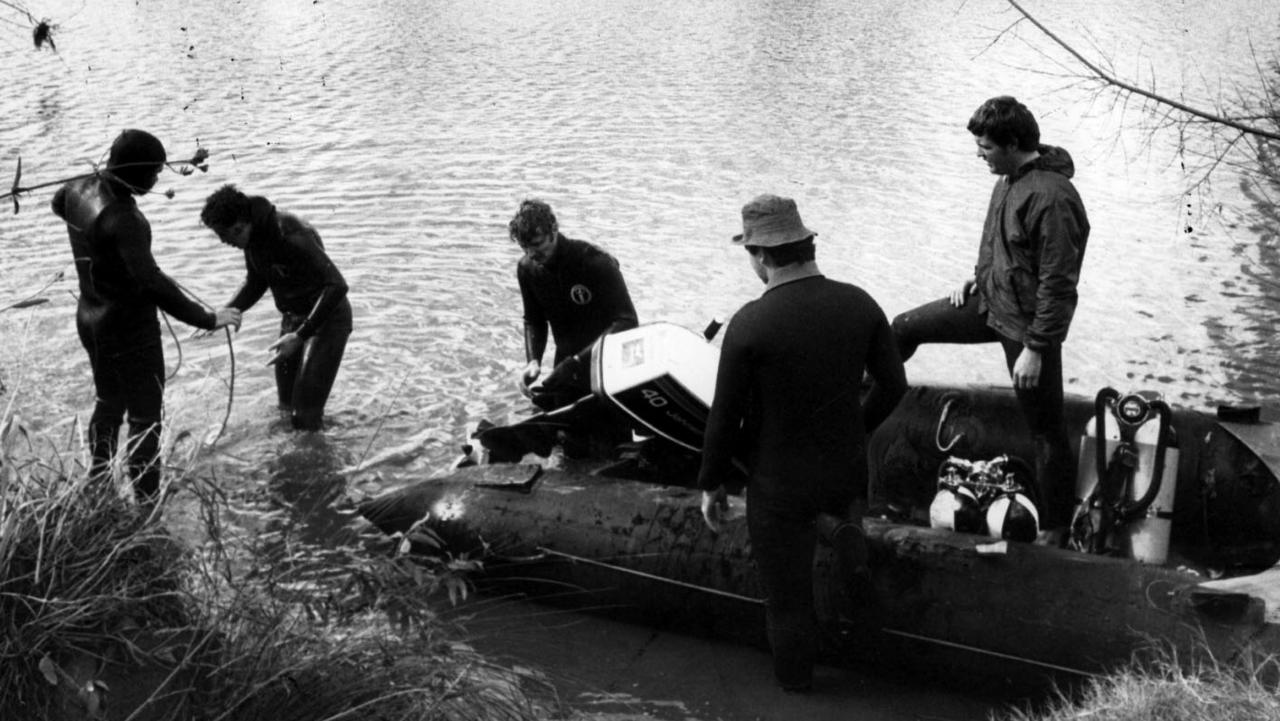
x=624 y=536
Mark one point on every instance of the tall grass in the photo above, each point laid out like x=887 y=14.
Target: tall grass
x=106 y=613
x=1163 y=687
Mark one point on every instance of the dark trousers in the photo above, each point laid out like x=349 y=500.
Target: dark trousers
x=1042 y=406
x=128 y=381
x=303 y=382
x=783 y=540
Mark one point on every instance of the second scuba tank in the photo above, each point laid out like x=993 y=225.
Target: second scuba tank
x=1127 y=478
x=985 y=497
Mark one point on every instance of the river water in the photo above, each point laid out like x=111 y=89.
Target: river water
x=408 y=131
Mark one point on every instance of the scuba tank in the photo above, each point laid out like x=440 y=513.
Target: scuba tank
x=1127 y=478
x=985 y=497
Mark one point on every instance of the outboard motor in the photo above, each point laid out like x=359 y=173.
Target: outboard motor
x=1127 y=478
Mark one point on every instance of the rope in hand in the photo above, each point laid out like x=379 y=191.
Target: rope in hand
x=231 y=353
x=231 y=386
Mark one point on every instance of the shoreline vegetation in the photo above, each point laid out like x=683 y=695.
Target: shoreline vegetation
x=108 y=614
x=1165 y=688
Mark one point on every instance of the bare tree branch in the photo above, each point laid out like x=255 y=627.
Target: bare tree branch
x=1112 y=80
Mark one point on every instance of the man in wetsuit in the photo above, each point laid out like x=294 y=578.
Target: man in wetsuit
x=788 y=404
x=1023 y=291
x=284 y=254
x=575 y=288
x=120 y=288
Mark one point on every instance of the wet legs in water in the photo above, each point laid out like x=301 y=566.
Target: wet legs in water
x=304 y=381
x=132 y=383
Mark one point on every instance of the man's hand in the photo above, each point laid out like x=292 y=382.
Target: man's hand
x=223 y=317
x=960 y=295
x=715 y=508
x=284 y=347
x=1026 y=370
x=531 y=371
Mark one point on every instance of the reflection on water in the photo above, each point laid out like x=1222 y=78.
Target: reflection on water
x=407 y=132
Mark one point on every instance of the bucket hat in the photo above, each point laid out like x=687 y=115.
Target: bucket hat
x=770 y=220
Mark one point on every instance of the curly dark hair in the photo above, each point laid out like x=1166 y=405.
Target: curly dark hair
x=1007 y=122
x=534 y=218
x=225 y=207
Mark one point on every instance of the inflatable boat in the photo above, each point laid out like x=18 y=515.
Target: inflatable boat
x=1176 y=527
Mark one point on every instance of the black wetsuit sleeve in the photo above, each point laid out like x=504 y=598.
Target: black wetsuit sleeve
x=728 y=412
x=884 y=363
x=132 y=234
x=251 y=291
x=535 y=320
x=310 y=253
x=535 y=342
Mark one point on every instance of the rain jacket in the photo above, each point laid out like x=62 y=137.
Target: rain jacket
x=1033 y=243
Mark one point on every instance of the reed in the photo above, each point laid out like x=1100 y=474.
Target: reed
x=106 y=613
x=1160 y=686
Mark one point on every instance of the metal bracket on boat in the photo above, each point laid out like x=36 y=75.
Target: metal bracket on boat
x=528 y=476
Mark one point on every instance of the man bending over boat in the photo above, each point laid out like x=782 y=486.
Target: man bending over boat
x=575 y=288
x=1023 y=291
x=284 y=254
x=788 y=391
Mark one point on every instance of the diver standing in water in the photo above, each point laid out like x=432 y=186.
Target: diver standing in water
x=1023 y=291
x=120 y=288
x=283 y=253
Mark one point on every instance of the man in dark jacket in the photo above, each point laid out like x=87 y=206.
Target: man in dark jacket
x=575 y=288
x=284 y=254
x=1023 y=292
x=788 y=405
x=120 y=288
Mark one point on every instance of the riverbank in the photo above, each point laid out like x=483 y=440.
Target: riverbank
x=115 y=611
x=110 y=614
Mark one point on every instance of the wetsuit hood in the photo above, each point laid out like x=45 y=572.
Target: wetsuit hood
x=136 y=156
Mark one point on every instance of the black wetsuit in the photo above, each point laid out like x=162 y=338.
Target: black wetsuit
x=580 y=293
x=120 y=289
x=286 y=255
x=788 y=404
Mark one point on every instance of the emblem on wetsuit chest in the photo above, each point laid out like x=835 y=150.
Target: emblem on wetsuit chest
x=580 y=294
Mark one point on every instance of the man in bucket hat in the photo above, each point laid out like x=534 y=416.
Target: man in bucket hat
x=788 y=391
